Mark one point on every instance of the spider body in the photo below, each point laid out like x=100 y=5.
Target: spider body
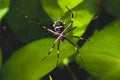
x=59 y=26
x=60 y=30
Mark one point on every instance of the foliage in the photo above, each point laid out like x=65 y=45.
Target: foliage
x=26 y=18
x=102 y=58
x=4 y=6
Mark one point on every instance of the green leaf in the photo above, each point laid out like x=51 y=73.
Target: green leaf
x=0 y=58
x=24 y=20
x=26 y=64
x=50 y=77
x=4 y=7
x=112 y=7
x=24 y=17
x=56 y=8
x=83 y=11
x=101 y=54
x=69 y=3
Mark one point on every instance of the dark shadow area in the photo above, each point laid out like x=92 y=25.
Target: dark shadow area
x=9 y=42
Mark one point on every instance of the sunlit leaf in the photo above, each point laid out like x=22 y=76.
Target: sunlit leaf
x=82 y=10
x=4 y=6
x=50 y=77
x=101 y=54
x=26 y=63
x=69 y=3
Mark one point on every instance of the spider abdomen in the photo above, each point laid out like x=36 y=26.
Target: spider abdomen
x=58 y=26
x=59 y=29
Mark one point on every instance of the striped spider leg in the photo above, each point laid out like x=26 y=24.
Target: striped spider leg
x=59 y=32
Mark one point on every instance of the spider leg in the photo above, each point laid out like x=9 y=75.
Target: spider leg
x=51 y=49
x=58 y=52
x=76 y=49
x=71 y=13
x=49 y=30
x=70 y=30
x=71 y=22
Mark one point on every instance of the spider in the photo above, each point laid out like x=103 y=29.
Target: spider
x=60 y=30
